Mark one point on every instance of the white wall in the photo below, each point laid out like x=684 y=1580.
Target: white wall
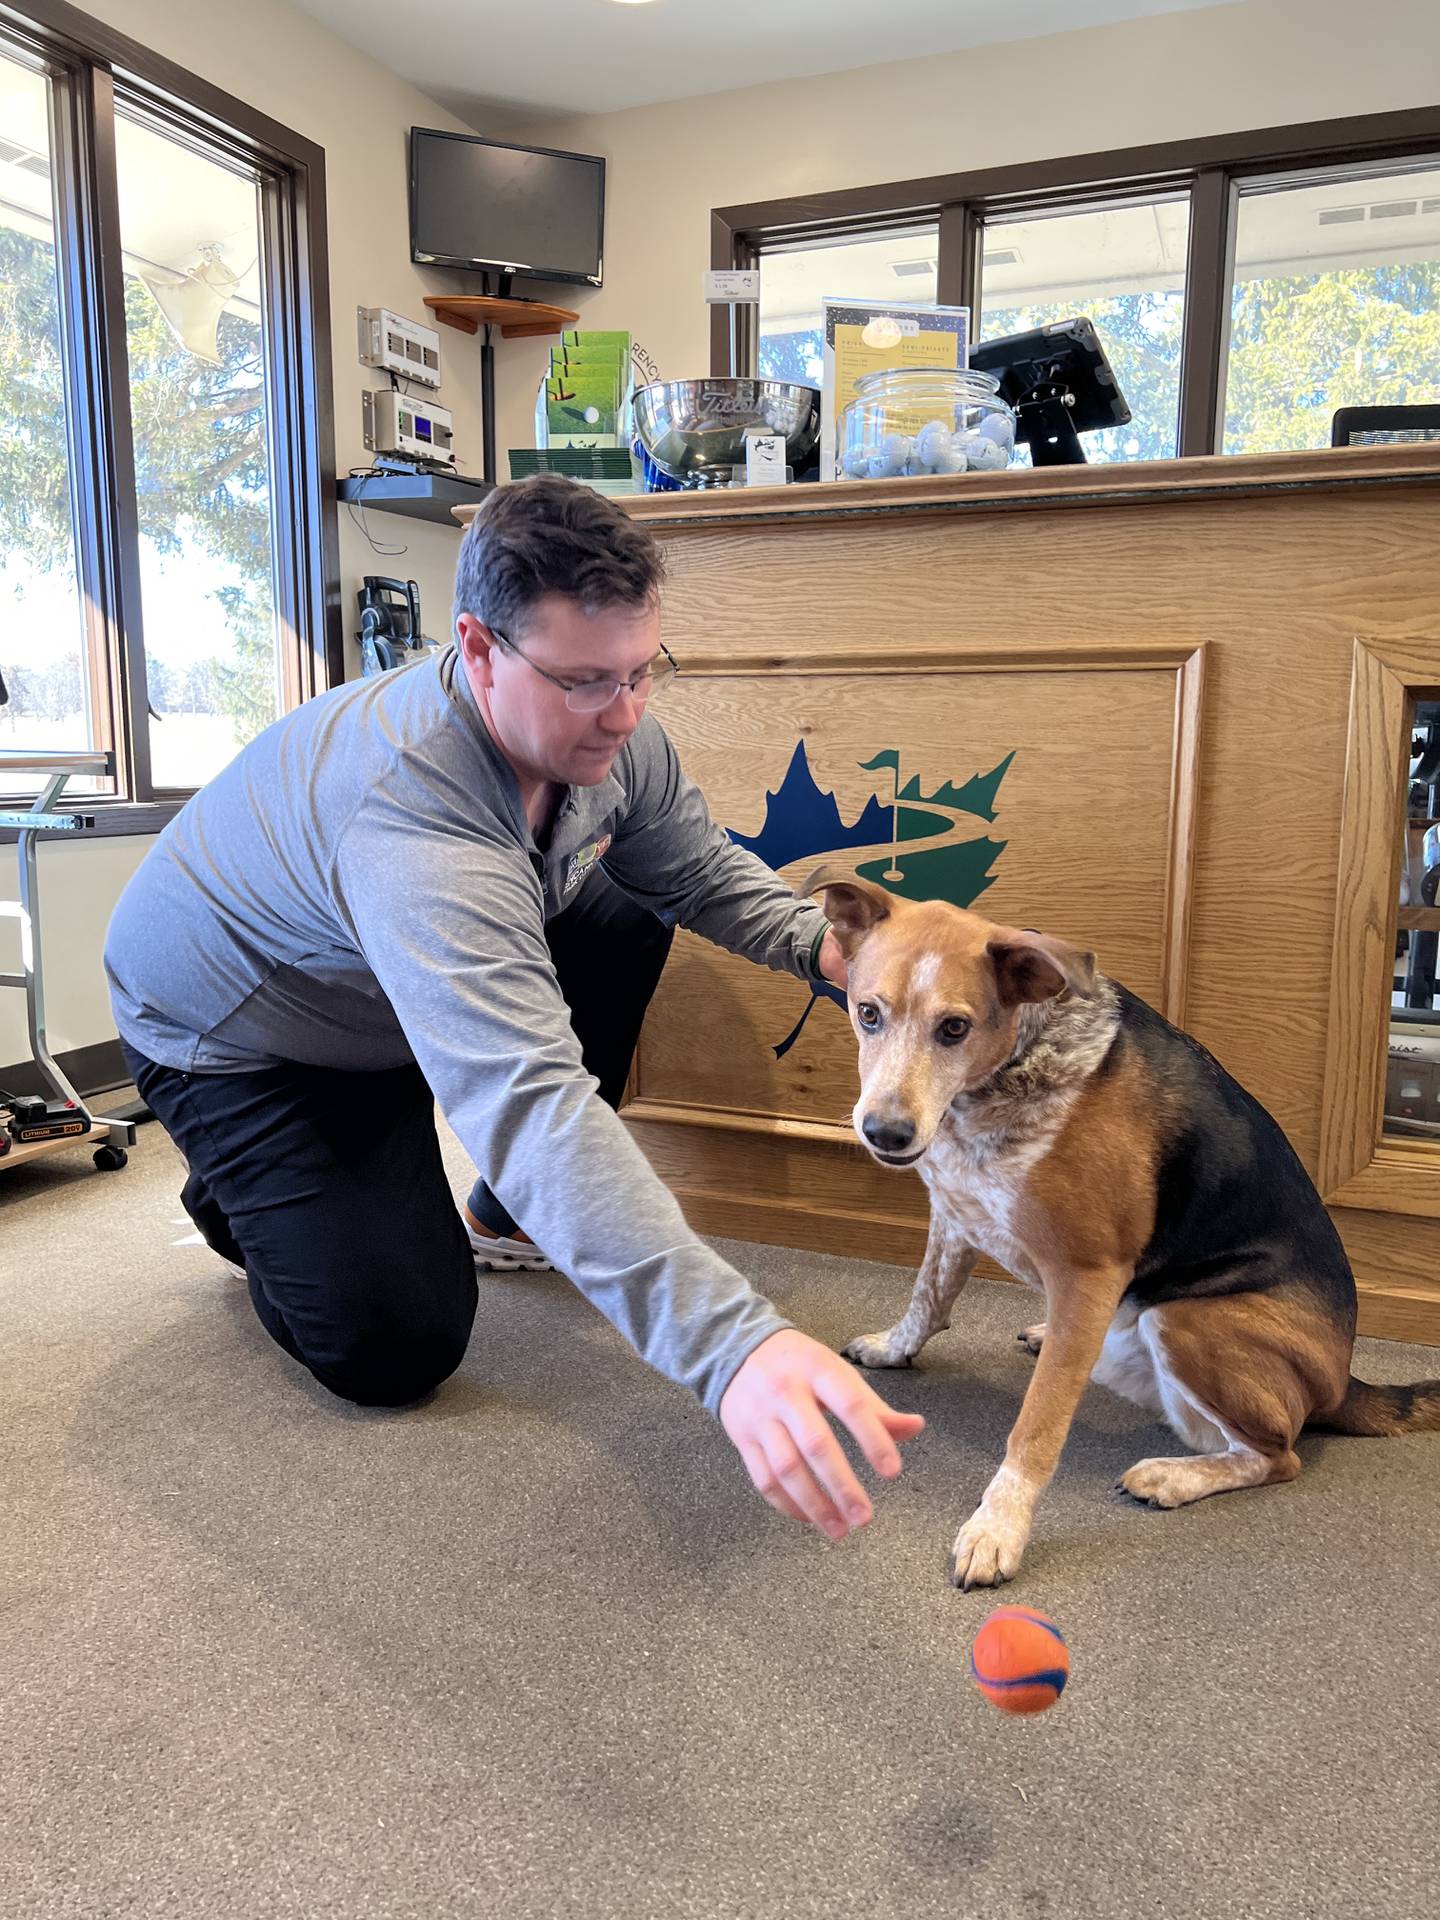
x=1265 y=63
x=282 y=62
x=79 y=885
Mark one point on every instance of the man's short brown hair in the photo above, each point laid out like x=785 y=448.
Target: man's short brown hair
x=545 y=535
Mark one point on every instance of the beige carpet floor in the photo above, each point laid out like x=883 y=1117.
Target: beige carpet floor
x=534 y=1649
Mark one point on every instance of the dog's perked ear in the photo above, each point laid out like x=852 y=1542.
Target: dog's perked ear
x=1034 y=966
x=852 y=906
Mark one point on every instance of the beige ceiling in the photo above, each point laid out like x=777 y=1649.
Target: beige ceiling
x=499 y=62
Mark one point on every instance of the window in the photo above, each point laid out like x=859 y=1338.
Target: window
x=1122 y=266
x=166 y=544
x=43 y=654
x=1335 y=303
x=1246 y=286
x=190 y=233
x=793 y=285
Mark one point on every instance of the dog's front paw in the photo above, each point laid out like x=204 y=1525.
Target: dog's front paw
x=987 y=1551
x=1033 y=1338
x=1159 y=1483
x=877 y=1350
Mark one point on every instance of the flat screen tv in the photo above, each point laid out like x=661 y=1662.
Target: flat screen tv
x=504 y=209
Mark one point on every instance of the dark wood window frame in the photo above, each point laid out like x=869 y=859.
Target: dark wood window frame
x=1212 y=171
x=91 y=66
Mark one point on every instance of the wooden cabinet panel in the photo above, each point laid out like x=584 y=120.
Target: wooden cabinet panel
x=1198 y=828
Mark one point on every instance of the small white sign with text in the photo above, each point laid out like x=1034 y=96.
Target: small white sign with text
x=732 y=283
x=764 y=459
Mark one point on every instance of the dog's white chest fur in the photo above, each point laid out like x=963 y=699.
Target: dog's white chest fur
x=980 y=1161
x=976 y=1182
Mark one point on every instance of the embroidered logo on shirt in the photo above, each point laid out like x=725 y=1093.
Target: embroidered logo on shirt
x=583 y=861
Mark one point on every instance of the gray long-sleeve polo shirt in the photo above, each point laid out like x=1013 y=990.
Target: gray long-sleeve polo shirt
x=360 y=888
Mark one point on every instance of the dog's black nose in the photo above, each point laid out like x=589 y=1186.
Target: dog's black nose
x=888 y=1136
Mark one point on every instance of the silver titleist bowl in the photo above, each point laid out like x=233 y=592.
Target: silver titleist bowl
x=694 y=430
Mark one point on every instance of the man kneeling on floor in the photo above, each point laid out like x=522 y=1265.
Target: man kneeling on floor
x=458 y=882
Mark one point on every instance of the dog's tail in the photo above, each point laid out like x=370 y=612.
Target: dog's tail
x=1381 y=1411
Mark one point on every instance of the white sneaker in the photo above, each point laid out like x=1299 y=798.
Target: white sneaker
x=503 y=1253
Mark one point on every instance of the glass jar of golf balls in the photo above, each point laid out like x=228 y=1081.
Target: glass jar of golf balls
x=912 y=420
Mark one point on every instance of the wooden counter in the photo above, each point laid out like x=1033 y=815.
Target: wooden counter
x=1160 y=709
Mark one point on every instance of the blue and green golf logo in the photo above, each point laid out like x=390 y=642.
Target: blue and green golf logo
x=926 y=846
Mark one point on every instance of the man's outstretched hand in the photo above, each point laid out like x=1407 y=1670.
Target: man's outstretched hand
x=774 y=1411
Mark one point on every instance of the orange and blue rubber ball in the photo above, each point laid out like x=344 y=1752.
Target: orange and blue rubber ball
x=1019 y=1660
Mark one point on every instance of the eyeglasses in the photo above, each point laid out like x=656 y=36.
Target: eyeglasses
x=593 y=696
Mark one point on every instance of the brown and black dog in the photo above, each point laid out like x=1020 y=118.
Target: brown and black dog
x=1098 y=1153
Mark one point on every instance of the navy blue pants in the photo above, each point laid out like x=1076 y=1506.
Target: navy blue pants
x=328 y=1186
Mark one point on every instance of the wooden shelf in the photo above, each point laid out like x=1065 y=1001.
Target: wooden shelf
x=1420 y=919
x=516 y=319
x=421 y=496
x=1116 y=483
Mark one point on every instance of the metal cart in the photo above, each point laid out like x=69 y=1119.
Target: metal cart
x=109 y=1137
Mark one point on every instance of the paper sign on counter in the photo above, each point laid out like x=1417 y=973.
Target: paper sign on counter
x=764 y=459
